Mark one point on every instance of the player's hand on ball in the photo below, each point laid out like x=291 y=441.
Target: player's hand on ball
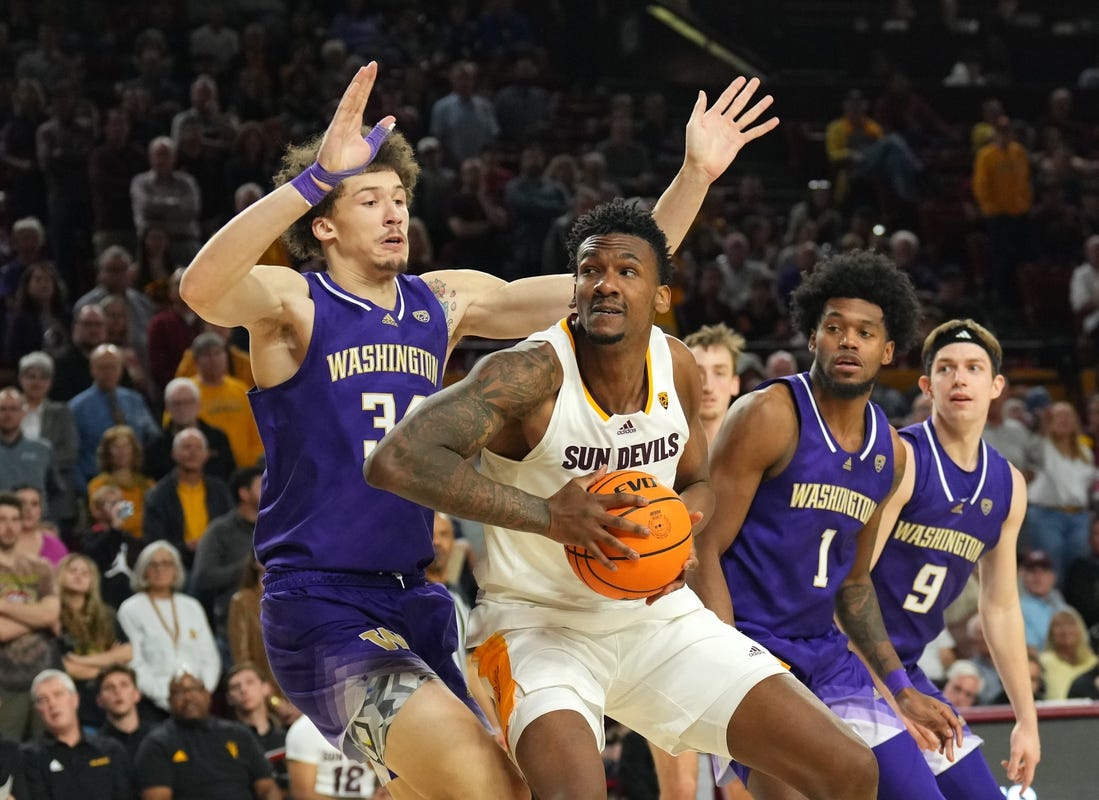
x=580 y=518
x=690 y=564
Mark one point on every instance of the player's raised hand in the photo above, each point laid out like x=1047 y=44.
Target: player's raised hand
x=580 y=518
x=344 y=147
x=933 y=715
x=716 y=134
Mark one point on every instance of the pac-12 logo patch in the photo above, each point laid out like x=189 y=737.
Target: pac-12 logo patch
x=879 y=462
x=421 y=316
x=662 y=398
x=986 y=506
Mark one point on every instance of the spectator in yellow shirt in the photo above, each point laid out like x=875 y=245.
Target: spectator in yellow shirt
x=1001 y=186
x=223 y=399
x=860 y=152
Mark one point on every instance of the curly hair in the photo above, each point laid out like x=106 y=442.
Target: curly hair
x=862 y=275
x=621 y=216
x=394 y=155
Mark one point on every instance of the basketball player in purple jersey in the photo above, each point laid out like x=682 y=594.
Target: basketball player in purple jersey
x=799 y=469
x=356 y=637
x=959 y=508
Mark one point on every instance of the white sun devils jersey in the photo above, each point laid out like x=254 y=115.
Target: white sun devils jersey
x=528 y=571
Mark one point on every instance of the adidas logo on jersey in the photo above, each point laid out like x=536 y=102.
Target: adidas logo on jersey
x=755 y=650
x=958 y=509
x=627 y=428
x=847 y=464
x=388 y=320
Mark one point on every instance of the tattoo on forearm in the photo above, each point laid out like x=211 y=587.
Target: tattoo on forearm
x=432 y=446
x=860 y=615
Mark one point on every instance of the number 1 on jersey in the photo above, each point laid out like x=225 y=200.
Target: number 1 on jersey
x=820 y=580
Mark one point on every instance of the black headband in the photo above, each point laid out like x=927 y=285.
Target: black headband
x=959 y=334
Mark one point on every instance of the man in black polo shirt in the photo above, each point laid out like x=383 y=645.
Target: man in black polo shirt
x=248 y=694
x=193 y=756
x=117 y=694
x=64 y=762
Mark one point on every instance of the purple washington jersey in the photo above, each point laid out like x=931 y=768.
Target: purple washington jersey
x=952 y=519
x=365 y=368
x=798 y=540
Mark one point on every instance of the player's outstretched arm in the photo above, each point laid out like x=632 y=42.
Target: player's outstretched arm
x=222 y=284
x=759 y=433
x=859 y=615
x=425 y=458
x=714 y=137
x=1002 y=620
x=478 y=304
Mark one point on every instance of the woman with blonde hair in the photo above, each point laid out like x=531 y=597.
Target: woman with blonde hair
x=1067 y=654
x=119 y=456
x=1057 y=518
x=90 y=636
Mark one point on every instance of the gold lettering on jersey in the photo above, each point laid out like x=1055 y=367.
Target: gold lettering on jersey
x=828 y=497
x=385 y=639
x=371 y=358
x=948 y=541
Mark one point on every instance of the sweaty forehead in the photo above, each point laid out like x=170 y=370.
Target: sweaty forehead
x=382 y=180
x=855 y=309
x=618 y=244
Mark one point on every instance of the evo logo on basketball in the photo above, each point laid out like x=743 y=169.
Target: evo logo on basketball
x=635 y=485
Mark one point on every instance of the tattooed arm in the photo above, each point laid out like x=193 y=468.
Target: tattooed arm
x=505 y=403
x=859 y=614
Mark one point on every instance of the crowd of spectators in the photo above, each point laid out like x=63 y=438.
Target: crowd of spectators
x=130 y=132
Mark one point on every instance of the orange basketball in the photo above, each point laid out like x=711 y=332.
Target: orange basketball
x=663 y=552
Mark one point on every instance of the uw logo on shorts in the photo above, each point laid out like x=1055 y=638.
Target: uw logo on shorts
x=879 y=462
x=421 y=316
x=662 y=398
x=385 y=639
x=986 y=506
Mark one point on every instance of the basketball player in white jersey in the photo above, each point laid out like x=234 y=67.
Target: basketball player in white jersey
x=602 y=390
